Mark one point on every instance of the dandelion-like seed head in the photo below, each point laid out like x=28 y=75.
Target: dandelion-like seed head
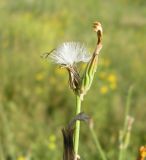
x=69 y=53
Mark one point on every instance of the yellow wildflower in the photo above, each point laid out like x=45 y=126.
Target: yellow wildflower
x=52 y=146
x=112 y=78
x=104 y=89
x=52 y=138
x=21 y=158
x=143 y=151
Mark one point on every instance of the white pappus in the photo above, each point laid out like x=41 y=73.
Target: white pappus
x=69 y=53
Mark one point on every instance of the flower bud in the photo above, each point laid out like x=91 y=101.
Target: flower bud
x=92 y=64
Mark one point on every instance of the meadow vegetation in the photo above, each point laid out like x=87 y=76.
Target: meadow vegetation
x=35 y=102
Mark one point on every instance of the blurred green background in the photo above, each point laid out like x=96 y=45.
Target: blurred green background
x=35 y=100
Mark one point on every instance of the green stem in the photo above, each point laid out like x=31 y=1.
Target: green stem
x=97 y=143
x=128 y=106
x=1 y=151
x=77 y=129
x=122 y=153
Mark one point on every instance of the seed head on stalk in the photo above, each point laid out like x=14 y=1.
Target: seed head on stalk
x=67 y=55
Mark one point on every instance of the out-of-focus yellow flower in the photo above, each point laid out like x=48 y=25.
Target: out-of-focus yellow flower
x=21 y=158
x=52 y=138
x=143 y=152
x=112 y=78
x=104 y=89
x=52 y=146
x=39 y=76
x=102 y=75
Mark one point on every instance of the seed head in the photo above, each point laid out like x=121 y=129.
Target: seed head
x=69 y=53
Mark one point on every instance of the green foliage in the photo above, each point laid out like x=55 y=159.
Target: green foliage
x=35 y=102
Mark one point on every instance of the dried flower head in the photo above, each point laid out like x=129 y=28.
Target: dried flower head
x=69 y=53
